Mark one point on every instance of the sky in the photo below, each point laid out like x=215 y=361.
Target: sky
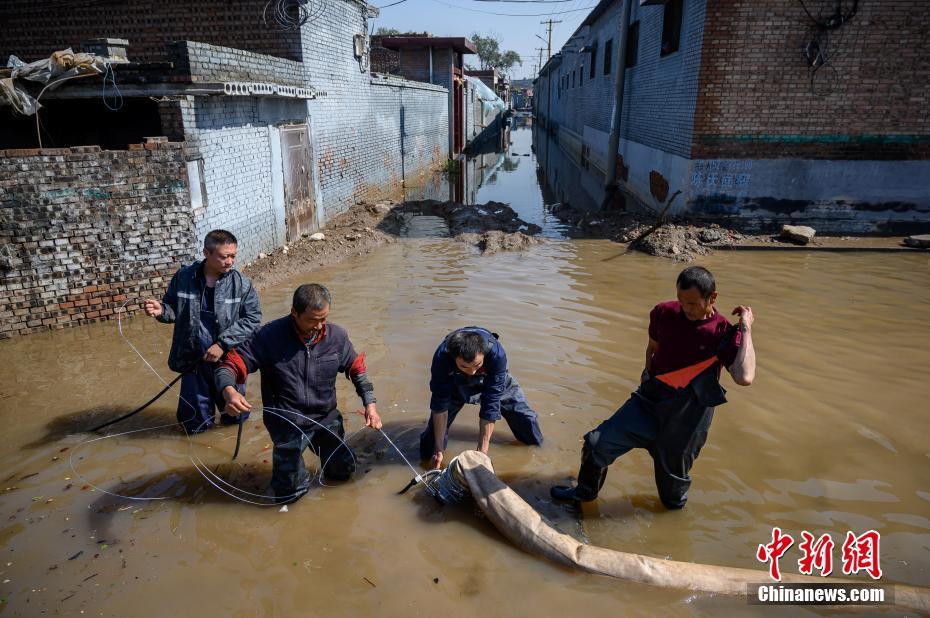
x=524 y=34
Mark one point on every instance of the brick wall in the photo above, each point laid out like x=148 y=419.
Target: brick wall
x=33 y=29
x=85 y=230
x=660 y=91
x=756 y=99
x=233 y=137
x=356 y=127
x=202 y=62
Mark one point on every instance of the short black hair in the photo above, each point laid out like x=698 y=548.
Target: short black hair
x=697 y=277
x=311 y=295
x=216 y=238
x=466 y=345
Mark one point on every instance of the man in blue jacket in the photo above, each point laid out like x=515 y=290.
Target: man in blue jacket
x=213 y=308
x=300 y=356
x=470 y=366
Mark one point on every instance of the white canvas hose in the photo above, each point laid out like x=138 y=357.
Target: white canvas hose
x=523 y=526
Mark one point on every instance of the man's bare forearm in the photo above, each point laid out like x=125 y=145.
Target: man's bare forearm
x=485 y=429
x=743 y=369
x=440 y=419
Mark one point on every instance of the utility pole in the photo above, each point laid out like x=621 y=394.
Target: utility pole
x=540 y=50
x=550 y=22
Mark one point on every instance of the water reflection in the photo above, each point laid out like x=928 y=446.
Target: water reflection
x=569 y=178
x=504 y=169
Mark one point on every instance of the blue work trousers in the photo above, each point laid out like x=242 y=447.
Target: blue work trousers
x=199 y=400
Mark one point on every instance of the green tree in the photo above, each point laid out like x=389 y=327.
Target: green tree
x=490 y=55
x=382 y=31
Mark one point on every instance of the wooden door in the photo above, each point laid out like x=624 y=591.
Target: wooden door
x=299 y=203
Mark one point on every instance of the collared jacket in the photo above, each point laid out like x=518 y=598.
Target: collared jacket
x=297 y=376
x=446 y=381
x=236 y=307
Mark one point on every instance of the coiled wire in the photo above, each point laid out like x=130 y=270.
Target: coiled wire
x=292 y=14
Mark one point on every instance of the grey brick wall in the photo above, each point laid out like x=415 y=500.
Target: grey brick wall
x=232 y=136
x=356 y=126
x=202 y=62
x=660 y=93
x=83 y=230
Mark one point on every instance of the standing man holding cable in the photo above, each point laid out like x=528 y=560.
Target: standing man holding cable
x=213 y=308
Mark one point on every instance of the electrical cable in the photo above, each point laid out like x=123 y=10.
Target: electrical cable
x=203 y=469
x=110 y=75
x=587 y=8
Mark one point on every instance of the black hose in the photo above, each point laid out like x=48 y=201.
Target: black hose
x=146 y=404
x=238 y=438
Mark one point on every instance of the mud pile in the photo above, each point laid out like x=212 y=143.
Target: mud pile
x=355 y=232
x=676 y=240
x=490 y=227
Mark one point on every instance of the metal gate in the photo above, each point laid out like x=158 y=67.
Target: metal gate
x=299 y=205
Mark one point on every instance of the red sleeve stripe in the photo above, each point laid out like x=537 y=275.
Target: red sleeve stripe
x=234 y=363
x=358 y=366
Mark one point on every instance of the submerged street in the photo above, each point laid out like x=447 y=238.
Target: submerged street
x=830 y=438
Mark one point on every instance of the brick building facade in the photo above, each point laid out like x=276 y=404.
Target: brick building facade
x=732 y=113
x=73 y=252
x=281 y=129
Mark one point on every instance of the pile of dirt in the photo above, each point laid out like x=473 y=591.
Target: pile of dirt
x=494 y=241
x=355 y=232
x=676 y=240
x=491 y=227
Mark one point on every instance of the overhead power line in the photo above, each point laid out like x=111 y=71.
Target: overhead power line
x=452 y=6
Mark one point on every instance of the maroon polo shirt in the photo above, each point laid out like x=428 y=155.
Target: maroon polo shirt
x=683 y=342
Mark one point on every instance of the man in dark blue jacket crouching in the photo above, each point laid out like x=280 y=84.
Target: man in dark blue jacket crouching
x=470 y=366
x=300 y=356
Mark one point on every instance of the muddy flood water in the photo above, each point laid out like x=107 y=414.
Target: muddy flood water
x=832 y=437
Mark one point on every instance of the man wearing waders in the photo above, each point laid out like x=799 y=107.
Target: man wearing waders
x=470 y=366
x=670 y=413
x=300 y=357
x=214 y=308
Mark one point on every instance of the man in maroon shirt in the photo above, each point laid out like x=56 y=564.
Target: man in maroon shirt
x=670 y=413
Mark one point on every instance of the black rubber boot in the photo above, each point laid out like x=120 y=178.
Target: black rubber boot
x=590 y=480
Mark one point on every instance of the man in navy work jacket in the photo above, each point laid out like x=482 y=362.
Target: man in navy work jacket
x=470 y=366
x=300 y=356
x=213 y=308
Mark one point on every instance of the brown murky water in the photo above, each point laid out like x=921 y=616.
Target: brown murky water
x=832 y=437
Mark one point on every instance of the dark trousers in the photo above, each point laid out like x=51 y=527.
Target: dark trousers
x=199 y=400
x=520 y=417
x=289 y=476
x=671 y=424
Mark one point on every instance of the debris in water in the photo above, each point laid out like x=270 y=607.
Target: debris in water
x=283 y=509
x=370 y=582
x=76 y=555
x=435 y=580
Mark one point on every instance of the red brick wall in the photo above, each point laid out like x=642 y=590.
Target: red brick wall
x=83 y=230
x=33 y=29
x=755 y=98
